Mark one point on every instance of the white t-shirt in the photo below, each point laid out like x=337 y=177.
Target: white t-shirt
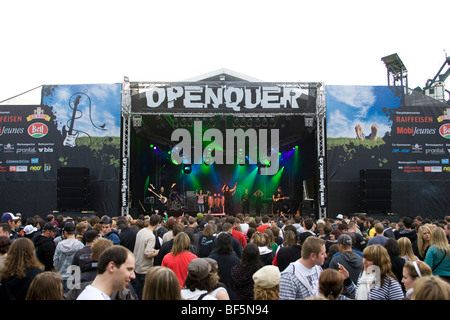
x=310 y=275
x=92 y=293
x=187 y=294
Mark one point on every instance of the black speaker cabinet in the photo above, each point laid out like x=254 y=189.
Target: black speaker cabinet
x=73 y=189
x=375 y=190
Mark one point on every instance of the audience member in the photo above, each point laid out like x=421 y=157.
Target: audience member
x=420 y=247
x=108 y=231
x=288 y=253
x=202 y=281
x=5 y=243
x=242 y=273
x=377 y=281
x=413 y=270
x=300 y=280
x=18 y=270
x=226 y=258
x=331 y=285
x=161 y=283
x=180 y=256
x=431 y=288
x=206 y=241
x=82 y=257
x=114 y=272
x=145 y=252
x=65 y=251
x=378 y=238
x=267 y=283
x=351 y=261
x=406 y=250
x=46 y=286
x=438 y=255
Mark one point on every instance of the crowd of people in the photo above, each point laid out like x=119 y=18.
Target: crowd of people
x=207 y=257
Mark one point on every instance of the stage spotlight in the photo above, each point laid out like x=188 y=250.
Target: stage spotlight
x=249 y=122
x=187 y=168
x=257 y=122
x=265 y=122
x=183 y=122
x=243 y=122
x=190 y=122
x=175 y=122
x=272 y=122
x=212 y=122
x=205 y=122
x=235 y=122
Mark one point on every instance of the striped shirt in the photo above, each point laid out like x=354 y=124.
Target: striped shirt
x=390 y=290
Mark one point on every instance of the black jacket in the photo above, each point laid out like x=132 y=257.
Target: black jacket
x=45 y=249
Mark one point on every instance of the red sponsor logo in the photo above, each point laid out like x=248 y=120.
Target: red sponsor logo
x=444 y=130
x=37 y=130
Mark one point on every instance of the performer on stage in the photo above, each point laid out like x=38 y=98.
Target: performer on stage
x=278 y=198
x=161 y=198
x=258 y=201
x=200 y=201
x=245 y=203
x=228 y=194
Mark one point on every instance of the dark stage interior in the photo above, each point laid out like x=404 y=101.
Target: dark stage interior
x=158 y=159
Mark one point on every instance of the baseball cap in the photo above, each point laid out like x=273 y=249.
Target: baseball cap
x=267 y=277
x=345 y=239
x=199 y=268
x=69 y=227
x=29 y=229
x=50 y=226
x=7 y=216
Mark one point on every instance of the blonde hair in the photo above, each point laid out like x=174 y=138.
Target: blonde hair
x=46 y=286
x=405 y=247
x=181 y=243
x=161 y=283
x=261 y=293
x=439 y=239
x=420 y=243
x=431 y=288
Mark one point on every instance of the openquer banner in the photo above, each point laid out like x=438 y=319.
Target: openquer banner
x=233 y=97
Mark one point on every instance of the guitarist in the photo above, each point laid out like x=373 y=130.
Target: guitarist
x=278 y=198
x=161 y=201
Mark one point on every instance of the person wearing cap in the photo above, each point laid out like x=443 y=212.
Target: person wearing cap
x=45 y=246
x=28 y=231
x=13 y=222
x=267 y=283
x=65 y=250
x=347 y=257
x=202 y=281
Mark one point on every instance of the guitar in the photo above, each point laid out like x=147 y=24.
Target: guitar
x=160 y=197
x=69 y=136
x=283 y=198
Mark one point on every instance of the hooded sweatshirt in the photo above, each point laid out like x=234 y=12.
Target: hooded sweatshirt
x=351 y=261
x=45 y=250
x=65 y=250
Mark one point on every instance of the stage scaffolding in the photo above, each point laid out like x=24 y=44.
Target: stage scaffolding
x=317 y=117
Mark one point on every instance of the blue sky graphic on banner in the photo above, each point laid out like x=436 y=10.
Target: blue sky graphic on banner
x=348 y=106
x=98 y=109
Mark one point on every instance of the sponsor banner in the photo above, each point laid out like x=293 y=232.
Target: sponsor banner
x=224 y=97
x=75 y=126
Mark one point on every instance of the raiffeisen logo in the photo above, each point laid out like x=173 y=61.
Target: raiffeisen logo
x=444 y=130
x=37 y=130
x=214 y=152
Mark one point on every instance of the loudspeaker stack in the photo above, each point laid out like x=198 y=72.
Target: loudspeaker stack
x=375 y=190
x=73 y=190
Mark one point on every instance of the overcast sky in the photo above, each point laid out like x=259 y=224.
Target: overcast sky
x=335 y=42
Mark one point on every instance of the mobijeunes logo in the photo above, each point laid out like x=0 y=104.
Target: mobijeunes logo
x=214 y=152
